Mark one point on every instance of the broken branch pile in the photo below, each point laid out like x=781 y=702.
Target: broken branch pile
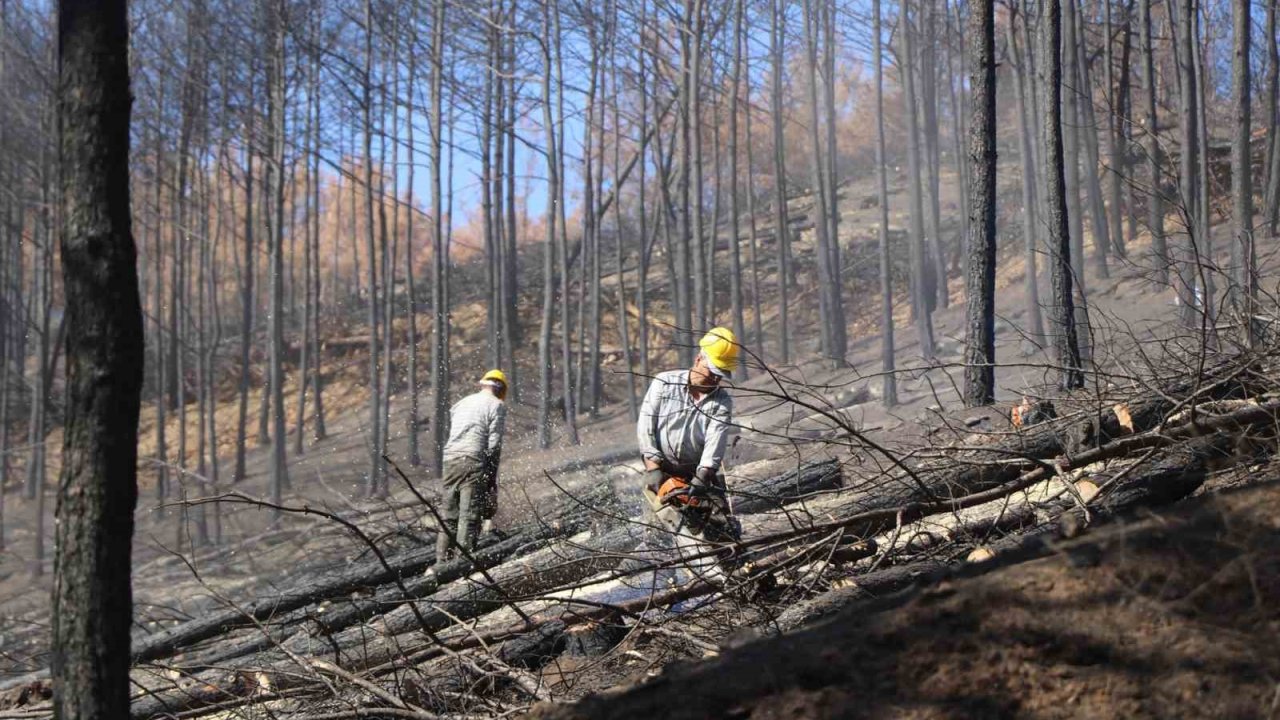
x=369 y=616
x=1144 y=470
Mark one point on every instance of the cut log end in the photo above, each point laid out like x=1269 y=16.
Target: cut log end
x=980 y=555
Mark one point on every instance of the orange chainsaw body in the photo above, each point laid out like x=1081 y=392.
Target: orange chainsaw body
x=675 y=490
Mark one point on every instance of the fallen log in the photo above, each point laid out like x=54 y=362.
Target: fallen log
x=168 y=641
x=1196 y=450
x=1075 y=434
x=596 y=637
x=927 y=536
x=569 y=518
x=512 y=666
x=1172 y=475
x=530 y=651
x=771 y=493
x=863 y=587
x=335 y=616
x=997 y=517
x=536 y=574
x=535 y=648
x=364 y=646
x=750 y=496
x=971 y=471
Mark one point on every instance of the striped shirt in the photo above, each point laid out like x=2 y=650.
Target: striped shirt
x=476 y=425
x=675 y=430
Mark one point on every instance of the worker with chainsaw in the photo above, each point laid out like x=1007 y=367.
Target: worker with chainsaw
x=471 y=458
x=683 y=432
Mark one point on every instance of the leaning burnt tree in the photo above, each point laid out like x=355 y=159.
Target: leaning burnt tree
x=92 y=597
x=980 y=281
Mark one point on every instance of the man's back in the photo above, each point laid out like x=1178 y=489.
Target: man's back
x=476 y=426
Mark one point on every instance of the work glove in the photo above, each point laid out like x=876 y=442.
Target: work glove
x=491 y=462
x=704 y=486
x=653 y=478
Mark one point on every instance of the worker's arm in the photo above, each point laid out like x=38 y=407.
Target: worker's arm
x=497 y=426
x=719 y=421
x=493 y=441
x=448 y=421
x=644 y=426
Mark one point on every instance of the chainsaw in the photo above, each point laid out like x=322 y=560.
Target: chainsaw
x=700 y=524
x=687 y=510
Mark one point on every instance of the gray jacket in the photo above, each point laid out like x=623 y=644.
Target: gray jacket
x=675 y=431
x=476 y=425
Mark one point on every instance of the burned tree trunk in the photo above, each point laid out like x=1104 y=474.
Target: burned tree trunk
x=92 y=597
x=735 y=209
x=927 y=85
x=1243 y=258
x=980 y=285
x=1087 y=131
x=1155 y=199
x=279 y=474
x=372 y=482
x=1066 y=344
x=1030 y=224
x=889 y=389
x=780 y=221
x=922 y=287
x=826 y=278
x=1271 y=203
x=549 y=247
x=1188 y=179
x=246 y=298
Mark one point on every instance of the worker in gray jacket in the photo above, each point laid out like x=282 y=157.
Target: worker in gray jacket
x=683 y=431
x=471 y=459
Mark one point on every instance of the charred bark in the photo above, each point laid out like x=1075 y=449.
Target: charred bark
x=92 y=596
x=980 y=285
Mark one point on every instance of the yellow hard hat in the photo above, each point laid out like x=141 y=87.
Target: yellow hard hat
x=720 y=348
x=494 y=374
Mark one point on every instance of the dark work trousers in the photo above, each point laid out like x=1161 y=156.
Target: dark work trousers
x=464 y=495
